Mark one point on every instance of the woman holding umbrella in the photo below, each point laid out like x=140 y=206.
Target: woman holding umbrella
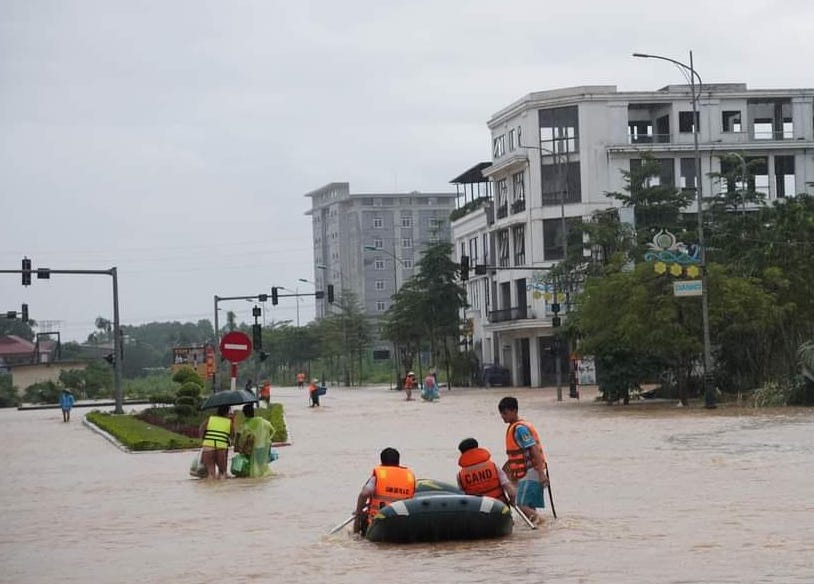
x=217 y=433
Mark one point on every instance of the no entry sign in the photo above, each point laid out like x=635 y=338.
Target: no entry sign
x=235 y=346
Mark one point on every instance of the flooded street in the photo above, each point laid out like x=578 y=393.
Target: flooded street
x=648 y=493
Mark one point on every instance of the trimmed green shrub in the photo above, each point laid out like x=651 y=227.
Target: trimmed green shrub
x=185 y=374
x=138 y=435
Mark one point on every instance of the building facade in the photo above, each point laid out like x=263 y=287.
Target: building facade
x=369 y=244
x=555 y=155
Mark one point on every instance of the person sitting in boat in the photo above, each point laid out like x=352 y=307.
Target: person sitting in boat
x=389 y=482
x=480 y=476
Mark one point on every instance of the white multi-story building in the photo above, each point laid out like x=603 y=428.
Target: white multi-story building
x=554 y=156
x=370 y=243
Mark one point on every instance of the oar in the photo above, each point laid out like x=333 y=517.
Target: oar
x=517 y=510
x=550 y=494
x=343 y=524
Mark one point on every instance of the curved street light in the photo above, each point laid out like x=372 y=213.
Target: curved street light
x=709 y=390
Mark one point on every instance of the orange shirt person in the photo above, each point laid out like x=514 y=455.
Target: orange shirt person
x=300 y=379
x=409 y=384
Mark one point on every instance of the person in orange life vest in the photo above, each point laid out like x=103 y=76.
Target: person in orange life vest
x=409 y=384
x=217 y=431
x=300 y=379
x=312 y=392
x=389 y=482
x=479 y=475
x=265 y=392
x=527 y=463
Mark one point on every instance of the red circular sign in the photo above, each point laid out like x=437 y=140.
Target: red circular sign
x=235 y=346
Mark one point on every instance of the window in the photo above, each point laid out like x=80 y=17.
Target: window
x=408 y=264
x=406 y=242
x=378 y=264
x=381 y=306
x=731 y=121
x=772 y=119
x=502 y=199
x=503 y=248
x=379 y=285
x=688 y=178
x=512 y=140
x=666 y=173
x=498 y=147
x=685 y=122
x=519 y=191
x=553 y=187
x=377 y=223
x=406 y=221
x=485 y=248
x=519 y=240
x=784 y=176
x=559 y=129
x=378 y=244
x=473 y=251
x=553 y=239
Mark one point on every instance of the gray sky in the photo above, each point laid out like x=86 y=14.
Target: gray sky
x=176 y=139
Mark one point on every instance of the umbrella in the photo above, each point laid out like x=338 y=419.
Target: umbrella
x=232 y=397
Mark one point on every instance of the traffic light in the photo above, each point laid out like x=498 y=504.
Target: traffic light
x=257 y=337
x=330 y=293
x=26 y=272
x=262 y=297
x=274 y=299
x=25 y=312
x=556 y=321
x=464 y=268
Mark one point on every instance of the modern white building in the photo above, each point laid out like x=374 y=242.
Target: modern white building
x=370 y=243
x=554 y=156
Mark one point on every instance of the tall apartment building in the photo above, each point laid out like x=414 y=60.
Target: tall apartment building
x=370 y=243
x=554 y=156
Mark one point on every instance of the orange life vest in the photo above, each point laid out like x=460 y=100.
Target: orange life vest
x=517 y=467
x=393 y=483
x=408 y=382
x=479 y=475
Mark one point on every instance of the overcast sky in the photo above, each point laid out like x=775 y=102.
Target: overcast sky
x=176 y=139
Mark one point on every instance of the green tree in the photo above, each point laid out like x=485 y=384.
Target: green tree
x=16 y=327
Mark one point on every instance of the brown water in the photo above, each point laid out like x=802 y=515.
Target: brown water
x=645 y=494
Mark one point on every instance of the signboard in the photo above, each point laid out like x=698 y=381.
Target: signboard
x=235 y=346
x=194 y=357
x=687 y=288
x=586 y=371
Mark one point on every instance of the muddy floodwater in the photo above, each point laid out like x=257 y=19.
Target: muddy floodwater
x=647 y=493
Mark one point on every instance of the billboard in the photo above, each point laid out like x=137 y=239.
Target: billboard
x=194 y=357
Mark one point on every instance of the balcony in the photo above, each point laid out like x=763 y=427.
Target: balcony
x=518 y=206
x=509 y=314
x=648 y=138
x=503 y=211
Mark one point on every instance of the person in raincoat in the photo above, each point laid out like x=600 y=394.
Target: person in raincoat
x=66 y=401
x=255 y=441
x=430 y=390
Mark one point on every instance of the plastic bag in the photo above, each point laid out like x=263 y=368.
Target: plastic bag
x=198 y=469
x=240 y=465
x=273 y=454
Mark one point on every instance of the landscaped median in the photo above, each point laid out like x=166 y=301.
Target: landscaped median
x=138 y=434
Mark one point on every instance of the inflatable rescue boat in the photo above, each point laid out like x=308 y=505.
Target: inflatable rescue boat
x=438 y=512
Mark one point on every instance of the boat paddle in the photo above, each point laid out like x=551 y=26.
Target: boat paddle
x=343 y=524
x=517 y=510
x=550 y=494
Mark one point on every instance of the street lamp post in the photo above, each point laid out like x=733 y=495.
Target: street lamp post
x=296 y=292
x=709 y=390
x=561 y=183
x=395 y=290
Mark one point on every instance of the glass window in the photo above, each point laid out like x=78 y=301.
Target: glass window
x=408 y=264
x=378 y=243
x=378 y=264
x=512 y=140
x=503 y=248
x=406 y=242
x=519 y=240
x=406 y=221
x=559 y=129
x=499 y=146
x=381 y=306
x=377 y=223
x=731 y=121
x=685 y=122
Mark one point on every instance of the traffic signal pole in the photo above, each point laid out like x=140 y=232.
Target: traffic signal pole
x=45 y=274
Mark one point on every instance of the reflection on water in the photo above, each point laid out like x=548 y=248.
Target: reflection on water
x=647 y=493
